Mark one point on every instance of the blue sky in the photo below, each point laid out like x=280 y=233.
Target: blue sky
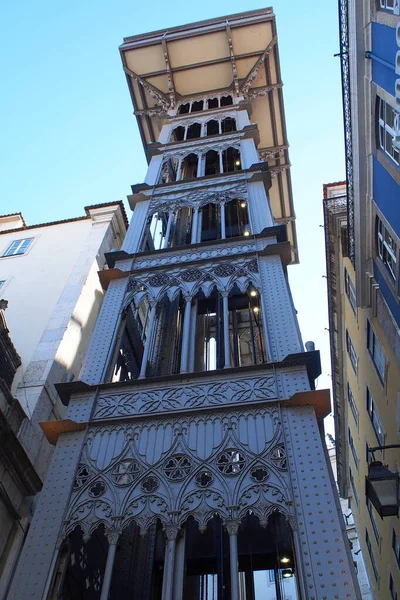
x=69 y=138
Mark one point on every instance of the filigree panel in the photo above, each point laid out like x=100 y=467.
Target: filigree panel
x=197 y=199
x=181 y=397
x=203 y=465
x=190 y=254
x=171 y=282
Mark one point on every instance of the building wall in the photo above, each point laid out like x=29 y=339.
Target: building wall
x=380 y=531
x=35 y=281
x=54 y=296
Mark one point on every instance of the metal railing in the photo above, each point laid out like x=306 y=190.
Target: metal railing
x=348 y=138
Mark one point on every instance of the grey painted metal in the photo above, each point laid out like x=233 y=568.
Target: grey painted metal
x=148 y=442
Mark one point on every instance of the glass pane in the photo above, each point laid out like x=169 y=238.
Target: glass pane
x=388 y=142
x=389 y=116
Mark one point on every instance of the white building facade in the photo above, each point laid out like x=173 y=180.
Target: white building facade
x=190 y=464
x=48 y=277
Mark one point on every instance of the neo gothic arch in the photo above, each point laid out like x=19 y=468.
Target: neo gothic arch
x=182 y=495
x=222 y=276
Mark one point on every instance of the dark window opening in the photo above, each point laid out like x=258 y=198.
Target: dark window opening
x=231 y=160
x=197 y=106
x=213 y=103
x=266 y=559
x=134 y=328
x=166 y=358
x=212 y=163
x=84 y=565
x=207 y=562
x=180 y=234
x=184 y=109
x=210 y=222
x=246 y=329
x=193 y=131
x=212 y=128
x=189 y=166
x=139 y=564
x=226 y=101
x=228 y=125
x=236 y=218
x=209 y=350
x=178 y=134
x=155 y=231
x=168 y=171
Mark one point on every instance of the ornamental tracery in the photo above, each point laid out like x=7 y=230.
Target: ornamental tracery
x=200 y=148
x=223 y=276
x=125 y=472
x=199 y=198
x=229 y=469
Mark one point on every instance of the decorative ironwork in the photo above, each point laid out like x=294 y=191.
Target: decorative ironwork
x=125 y=472
x=81 y=477
x=348 y=135
x=150 y=484
x=278 y=457
x=97 y=489
x=259 y=474
x=231 y=462
x=204 y=479
x=177 y=467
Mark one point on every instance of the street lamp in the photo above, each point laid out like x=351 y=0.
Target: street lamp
x=382 y=486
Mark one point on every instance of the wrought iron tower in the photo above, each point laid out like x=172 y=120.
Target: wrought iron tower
x=190 y=464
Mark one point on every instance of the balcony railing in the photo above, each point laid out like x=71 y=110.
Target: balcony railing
x=348 y=138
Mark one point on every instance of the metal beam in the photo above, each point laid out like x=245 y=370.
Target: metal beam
x=233 y=60
x=254 y=71
x=171 y=84
x=151 y=89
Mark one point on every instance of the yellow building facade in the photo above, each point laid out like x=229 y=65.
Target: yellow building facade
x=365 y=378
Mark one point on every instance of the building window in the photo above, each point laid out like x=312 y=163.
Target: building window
x=376 y=352
x=374 y=417
x=387 y=5
x=353 y=486
x=396 y=547
x=387 y=133
x=386 y=248
x=392 y=589
x=352 y=403
x=350 y=290
x=371 y=555
x=353 y=448
x=18 y=247
x=375 y=528
x=351 y=352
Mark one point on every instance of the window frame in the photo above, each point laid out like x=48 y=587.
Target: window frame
x=353 y=448
x=350 y=290
x=386 y=131
x=392 y=589
x=352 y=403
x=375 y=350
x=384 y=249
x=20 y=246
x=382 y=5
x=375 y=418
x=354 y=487
x=374 y=524
x=396 y=547
x=371 y=555
x=351 y=352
